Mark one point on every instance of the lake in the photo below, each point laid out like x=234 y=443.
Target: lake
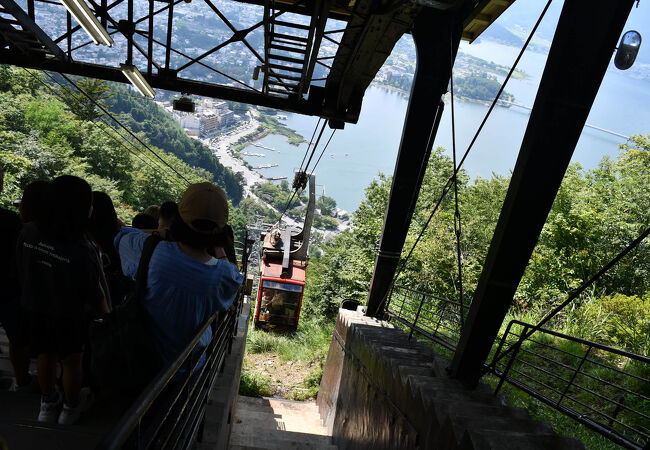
x=359 y=152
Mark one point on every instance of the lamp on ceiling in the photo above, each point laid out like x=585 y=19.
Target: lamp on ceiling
x=137 y=80
x=82 y=14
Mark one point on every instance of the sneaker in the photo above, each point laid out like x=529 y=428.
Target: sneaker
x=50 y=410
x=70 y=414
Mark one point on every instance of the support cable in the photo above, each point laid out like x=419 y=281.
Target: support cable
x=107 y=113
x=573 y=296
x=148 y=163
x=295 y=190
x=457 y=222
x=324 y=148
x=449 y=182
x=136 y=151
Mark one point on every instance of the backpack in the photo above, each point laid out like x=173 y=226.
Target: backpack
x=123 y=355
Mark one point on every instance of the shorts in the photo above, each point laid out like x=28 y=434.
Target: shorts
x=63 y=336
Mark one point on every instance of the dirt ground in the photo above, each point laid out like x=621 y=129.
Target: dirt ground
x=286 y=378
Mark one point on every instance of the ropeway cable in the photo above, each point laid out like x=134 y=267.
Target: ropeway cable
x=572 y=296
x=105 y=111
x=296 y=188
x=97 y=125
x=447 y=186
x=149 y=163
x=457 y=222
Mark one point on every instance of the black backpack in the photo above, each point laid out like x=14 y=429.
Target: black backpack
x=123 y=355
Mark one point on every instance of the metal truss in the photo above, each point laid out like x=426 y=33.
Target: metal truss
x=317 y=57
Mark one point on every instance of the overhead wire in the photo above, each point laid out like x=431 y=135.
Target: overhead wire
x=296 y=188
x=457 y=222
x=149 y=163
x=525 y=335
x=457 y=168
x=127 y=129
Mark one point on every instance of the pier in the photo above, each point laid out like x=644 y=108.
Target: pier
x=604 y=130
x=264 y=147
x=266 y=166
x=261 y=155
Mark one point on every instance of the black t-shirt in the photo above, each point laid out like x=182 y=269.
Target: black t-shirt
x=58 y=278
x=10 y=226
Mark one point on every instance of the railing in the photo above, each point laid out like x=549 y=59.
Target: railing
x=435 y=318
x=601 y=387
x=604 y=388
x=169 y=413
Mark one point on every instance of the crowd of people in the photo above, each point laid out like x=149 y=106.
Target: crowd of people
x=67 y=260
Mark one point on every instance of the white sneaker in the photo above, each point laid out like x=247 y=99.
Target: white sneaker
x=50 y=410
x=69 y=415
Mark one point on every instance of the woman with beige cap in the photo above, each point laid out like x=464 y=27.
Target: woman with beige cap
x=185 y=285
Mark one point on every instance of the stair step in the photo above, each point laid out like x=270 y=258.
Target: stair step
x=273 y=439
x=285 y=85
x=287 y=68
x=478 y=440
x=298 y=26
x=281 y=91
x=453 y=430
x=281 y=76
x=288 y=37
x=288 y=49
x=286 y=58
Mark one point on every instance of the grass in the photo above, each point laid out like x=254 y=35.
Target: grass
x=309 y=344
x=254 y=384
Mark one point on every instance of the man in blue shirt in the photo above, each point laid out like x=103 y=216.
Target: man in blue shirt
x=185 y=285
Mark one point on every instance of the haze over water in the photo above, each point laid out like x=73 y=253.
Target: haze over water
x=359 y=152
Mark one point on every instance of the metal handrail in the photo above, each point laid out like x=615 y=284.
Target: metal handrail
x=131 y=420
x=624 y=425
x=195 y=382
x=406 y=306
x=561 y=378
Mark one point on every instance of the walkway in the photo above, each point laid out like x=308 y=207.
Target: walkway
x=271 y=423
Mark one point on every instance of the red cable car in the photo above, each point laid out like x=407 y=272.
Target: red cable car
x=282 y=273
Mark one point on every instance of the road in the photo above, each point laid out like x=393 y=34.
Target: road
x=220 y=147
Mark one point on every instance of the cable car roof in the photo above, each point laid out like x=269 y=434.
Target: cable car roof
x=42 y=35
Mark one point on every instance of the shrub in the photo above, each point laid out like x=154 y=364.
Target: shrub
x=624 y=321
x=254 y=384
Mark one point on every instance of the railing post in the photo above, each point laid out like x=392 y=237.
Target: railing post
x=511 y=361
x=417 y=316
x=575 y=374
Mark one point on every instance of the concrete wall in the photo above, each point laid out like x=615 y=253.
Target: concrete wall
x=381 y=391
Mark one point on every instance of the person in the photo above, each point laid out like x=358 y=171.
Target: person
x=153 y=211
x=185 y=284
x=104 y=226
x=59 y=274
x=168 y=212
x=144 y=221
x=10 y=226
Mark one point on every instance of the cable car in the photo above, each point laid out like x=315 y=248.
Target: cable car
x=282 y=272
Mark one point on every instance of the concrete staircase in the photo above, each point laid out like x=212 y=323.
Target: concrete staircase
x=270 y=423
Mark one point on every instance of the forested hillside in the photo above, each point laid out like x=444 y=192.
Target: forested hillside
x=596 y=214
x=40 y=138
x=144 y=116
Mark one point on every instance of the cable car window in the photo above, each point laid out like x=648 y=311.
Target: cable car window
x=282 y=286
x=280 y=303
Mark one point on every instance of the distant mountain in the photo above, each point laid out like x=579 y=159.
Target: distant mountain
x=499 y=33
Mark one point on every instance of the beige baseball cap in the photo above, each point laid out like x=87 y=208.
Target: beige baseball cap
x=204 y=208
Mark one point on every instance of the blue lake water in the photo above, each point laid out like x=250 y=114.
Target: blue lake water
x=359 y=152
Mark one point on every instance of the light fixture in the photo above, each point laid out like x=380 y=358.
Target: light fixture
x=82 y=14
x=627 y=50
x=137 y=80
